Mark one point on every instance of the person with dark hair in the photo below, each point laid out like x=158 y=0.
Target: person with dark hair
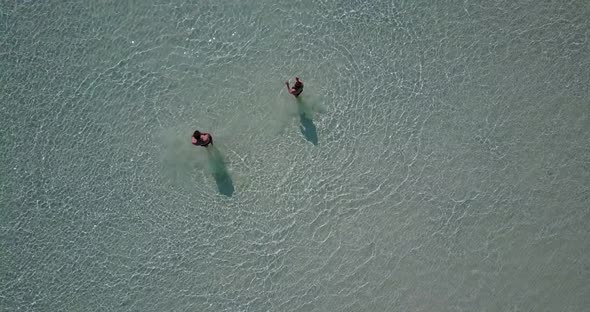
x=201 y=138
x=297 y=87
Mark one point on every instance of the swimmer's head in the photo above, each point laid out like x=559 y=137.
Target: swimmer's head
x=197 y=134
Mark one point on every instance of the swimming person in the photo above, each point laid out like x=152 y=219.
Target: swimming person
x=201 y=138
x=297 y=87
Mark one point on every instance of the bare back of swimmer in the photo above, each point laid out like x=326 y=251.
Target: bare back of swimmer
x=201 y=138
x=297 y=87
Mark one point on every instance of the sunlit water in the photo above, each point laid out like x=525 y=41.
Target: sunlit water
x=438 y=159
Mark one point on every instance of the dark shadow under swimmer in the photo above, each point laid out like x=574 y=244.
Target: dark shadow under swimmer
x=217 y=166
x=222 y=177
x=307 y=127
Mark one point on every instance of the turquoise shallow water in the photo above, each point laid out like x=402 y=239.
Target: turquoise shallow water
x=438 y=159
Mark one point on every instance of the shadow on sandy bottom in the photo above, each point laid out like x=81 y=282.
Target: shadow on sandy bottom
x=225 y=184
x=307 y=127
